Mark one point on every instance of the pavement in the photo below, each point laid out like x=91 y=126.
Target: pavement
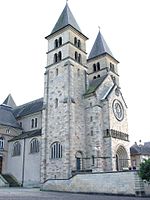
x=36 y=194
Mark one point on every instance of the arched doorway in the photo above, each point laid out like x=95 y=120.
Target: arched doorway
x=121 y=158
x=78 y=160
x=1 y=163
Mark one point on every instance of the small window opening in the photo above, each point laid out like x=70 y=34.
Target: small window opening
x=56 y=103
x=59 y=56
x=56 y=43
x=94 y=68
x=98 y=66
x=60 y=41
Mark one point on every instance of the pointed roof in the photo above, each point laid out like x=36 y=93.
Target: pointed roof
x=7 y=118
x=66 y=18
x=9 y=101
x=100 y=47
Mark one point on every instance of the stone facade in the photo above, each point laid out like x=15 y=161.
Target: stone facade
x=79 y=110
x=81 y=123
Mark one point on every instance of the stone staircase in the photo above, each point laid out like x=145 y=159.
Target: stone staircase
x=139 y=186
x=11 y=180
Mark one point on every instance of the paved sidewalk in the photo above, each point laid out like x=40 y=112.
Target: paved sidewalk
x=36 y=194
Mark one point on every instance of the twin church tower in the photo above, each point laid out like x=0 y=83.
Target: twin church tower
x=84 y=117
x=80 y=125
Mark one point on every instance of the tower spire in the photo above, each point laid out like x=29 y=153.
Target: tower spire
x=66 y=18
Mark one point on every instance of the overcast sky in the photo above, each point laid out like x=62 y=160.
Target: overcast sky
x=125 y=25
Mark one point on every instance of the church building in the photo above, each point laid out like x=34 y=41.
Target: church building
x=80 y=125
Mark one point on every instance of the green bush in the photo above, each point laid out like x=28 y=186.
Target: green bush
x=144 y=171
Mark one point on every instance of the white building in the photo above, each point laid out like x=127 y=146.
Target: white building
x=79 y=125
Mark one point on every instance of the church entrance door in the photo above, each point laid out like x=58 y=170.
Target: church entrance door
x=1 y=162
x=121 y=158
x=78 y=160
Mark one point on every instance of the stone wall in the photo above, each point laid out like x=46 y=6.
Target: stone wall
x=109 y=183
x=25 y=167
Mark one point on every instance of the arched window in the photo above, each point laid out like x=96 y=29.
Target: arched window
x=98 y=66
x=94 y=68
x=55 y=58
x=56 y=43
x=94 y=77
x=76 y=56
x=16 y=149
x=60 y=41
x=79 y=43
x=56 y=103
x=32 y=123
x=98 y=76
x=1 y=143
x=56 y=150
x=59 y=56
x=93 y=160
x=79 y=58
x=75 y=41
x=34 y=146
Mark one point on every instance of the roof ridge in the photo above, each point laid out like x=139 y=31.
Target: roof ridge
x=29 y=102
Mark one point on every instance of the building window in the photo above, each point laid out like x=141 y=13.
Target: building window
x=56 y=103
x=56 y=43
x=75 y=41
x=1 y=143
x=93 y=160
x=98 y=66
x=91 y=132
x=34 y=123
x=94 y=77
x=60 y=41
x=55 y=58
x=7 y=130
x=59 y=55
x=79 y=44
x=34 y=146
x=98 y=76
x=16 y=149
x=79 y=58
x=76 y=56
x=56 y=150
x=94 y=68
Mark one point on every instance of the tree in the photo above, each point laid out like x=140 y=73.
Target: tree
x=144 y=171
